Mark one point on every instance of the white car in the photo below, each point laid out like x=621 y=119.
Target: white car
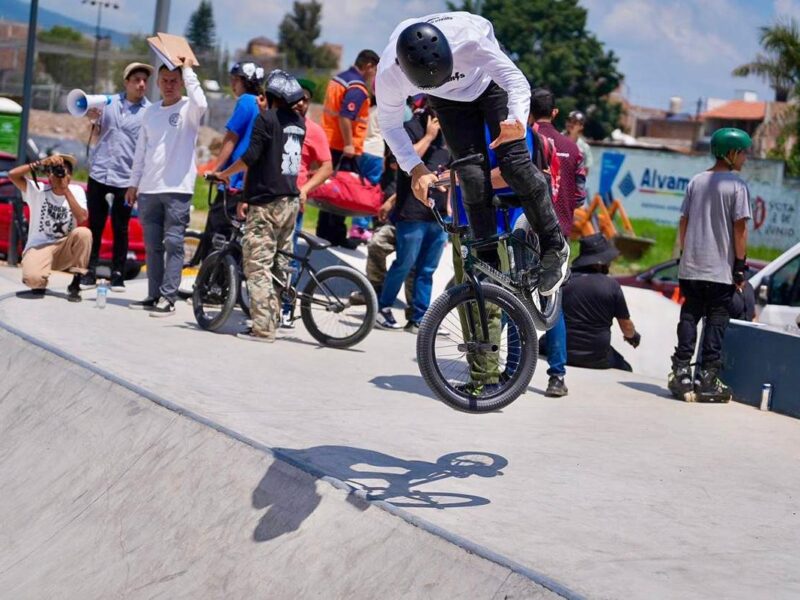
x=777 y=288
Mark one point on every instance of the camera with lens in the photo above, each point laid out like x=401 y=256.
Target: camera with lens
x=55 y=170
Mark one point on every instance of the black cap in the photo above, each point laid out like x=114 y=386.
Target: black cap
x=595 y=249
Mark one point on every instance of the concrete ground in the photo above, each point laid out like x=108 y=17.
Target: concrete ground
x=616 y=491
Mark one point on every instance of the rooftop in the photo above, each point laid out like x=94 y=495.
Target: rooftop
x=738 y=110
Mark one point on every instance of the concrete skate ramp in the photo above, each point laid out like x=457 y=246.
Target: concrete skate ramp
x=107 y=494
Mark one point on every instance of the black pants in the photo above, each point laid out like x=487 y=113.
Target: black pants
x=709 y=300
x=613 y=360
x=463 y=125
x=332 y=227
x=120 y=217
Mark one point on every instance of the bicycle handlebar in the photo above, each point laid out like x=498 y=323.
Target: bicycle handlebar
x=211 y=177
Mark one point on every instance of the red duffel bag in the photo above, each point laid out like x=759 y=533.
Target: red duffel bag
x=348 y=194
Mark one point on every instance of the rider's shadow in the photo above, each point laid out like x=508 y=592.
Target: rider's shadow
x=290 y=497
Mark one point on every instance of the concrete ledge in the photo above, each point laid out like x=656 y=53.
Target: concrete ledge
x=754 y=355
x=110 y=492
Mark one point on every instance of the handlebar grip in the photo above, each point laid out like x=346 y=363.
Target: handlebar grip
x=211 y=177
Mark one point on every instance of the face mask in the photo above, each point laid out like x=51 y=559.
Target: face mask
x=409 y=114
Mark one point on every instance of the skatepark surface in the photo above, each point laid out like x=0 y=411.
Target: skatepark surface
x=145 y=458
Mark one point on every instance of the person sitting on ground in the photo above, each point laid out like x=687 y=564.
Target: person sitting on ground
x=590 y=302
x=420 y=239
x=271 y=200
x=55 y=241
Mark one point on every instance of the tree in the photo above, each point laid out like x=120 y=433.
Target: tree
x=297 y=35
x=549 y=42
x=201 y=30
x=780 y=64
x=68 y=71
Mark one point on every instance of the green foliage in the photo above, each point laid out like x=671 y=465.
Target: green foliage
x=201 y=30
x=549 y=42
x=297 y=35
x=780 y=66
x=69 y=71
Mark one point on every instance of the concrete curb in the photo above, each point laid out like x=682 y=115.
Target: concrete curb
x=463 y=543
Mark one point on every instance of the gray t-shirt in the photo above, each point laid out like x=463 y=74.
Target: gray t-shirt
x=714 y=201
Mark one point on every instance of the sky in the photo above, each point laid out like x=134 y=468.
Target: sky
x=685 y=48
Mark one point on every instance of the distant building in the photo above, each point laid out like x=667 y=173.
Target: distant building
x=337 y=50
x=764 y=121
x=262 y=47
x=12 y=56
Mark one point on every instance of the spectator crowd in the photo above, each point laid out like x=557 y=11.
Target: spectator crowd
x=273 y=156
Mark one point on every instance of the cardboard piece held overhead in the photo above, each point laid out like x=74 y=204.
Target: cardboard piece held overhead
x=169 y=47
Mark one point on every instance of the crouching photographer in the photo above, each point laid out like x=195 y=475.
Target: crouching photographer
x=55 y=242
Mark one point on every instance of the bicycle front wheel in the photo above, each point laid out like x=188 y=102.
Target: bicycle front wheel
x=328 y=310
x=461 y=366
x=191 y=262
x=545 y=310
x=215 y=291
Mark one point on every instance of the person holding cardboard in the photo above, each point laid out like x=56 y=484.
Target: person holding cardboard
x=162 y=180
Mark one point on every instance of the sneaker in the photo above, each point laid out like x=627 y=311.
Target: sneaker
x=164 y=308
x=117 y=282
x=286 y=321
x=357 y=299
x=252 y=337
x=88 y=281
x=556 y=388
x=146 y=304
x=479 y=389
x=74 y=289
x=412 y=327
x=386 y=320
x=555 y=264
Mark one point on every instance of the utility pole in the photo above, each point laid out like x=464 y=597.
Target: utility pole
x=97 y=37
x=22 y=148
x=161 y=23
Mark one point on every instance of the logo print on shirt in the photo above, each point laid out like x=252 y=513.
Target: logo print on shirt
x=290 y=159
x=55 y=221
x=351 y=107
x=175 y=119
x=455 y=77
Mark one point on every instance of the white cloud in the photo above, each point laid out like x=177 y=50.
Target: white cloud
x=786 y=8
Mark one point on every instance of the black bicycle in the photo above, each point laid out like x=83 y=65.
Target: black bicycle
x=477 y=345
x=325 y=302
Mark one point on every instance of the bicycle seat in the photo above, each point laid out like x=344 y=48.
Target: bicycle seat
x=316 y=243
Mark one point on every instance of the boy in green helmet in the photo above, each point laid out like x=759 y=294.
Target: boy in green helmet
x=713 y=241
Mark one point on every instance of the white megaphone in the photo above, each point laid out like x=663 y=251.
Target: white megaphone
x=79 y=102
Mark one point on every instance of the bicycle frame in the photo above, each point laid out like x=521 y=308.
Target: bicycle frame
x=513 y=281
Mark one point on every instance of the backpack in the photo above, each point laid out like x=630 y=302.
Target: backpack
x=546 y=160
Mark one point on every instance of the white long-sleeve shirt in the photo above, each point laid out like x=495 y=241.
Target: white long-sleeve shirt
x=165 y=151
x=477 y=61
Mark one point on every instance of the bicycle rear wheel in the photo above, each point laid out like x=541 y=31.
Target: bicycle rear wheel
x=215 y=291
x=191 y=262
x=465 y=370
x=328 y=311
x=545 y=310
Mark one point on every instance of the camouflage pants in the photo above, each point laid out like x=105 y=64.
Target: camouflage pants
x=382 y=244
x=268 y=229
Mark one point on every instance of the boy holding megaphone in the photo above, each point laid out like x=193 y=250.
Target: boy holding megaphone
x=118 y=123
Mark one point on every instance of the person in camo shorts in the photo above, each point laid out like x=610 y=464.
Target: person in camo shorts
x=271 y=199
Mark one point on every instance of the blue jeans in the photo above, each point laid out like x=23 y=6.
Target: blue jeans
x=419 y=245
x=164 y=218
x=555 y=341
x=371 y=168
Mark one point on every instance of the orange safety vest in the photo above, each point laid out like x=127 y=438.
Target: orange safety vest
x=334 y=96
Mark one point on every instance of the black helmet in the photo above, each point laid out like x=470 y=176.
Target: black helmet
x=250 y=72
x=282 y=85
x=424 y=55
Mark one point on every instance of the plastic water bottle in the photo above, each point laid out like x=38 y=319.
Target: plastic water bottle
x=102 y=293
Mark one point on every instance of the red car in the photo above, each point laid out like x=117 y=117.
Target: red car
x=663 y=277
x=135 y=235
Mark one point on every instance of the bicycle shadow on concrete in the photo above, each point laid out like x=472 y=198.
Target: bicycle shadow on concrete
x=649 y=388
x=410 y=384
x=290 y=499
